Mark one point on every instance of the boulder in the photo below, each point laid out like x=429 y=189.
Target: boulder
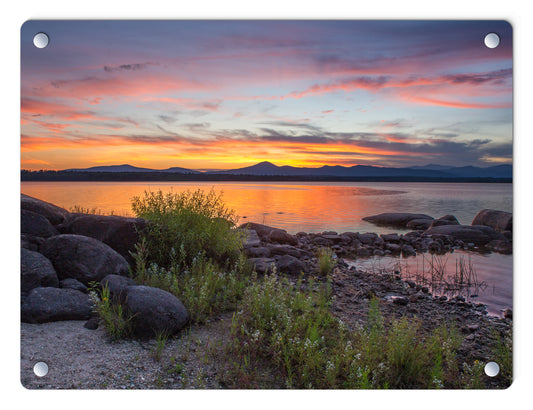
x=284 y=250
x=270 y=234
x=120 y=233
x=281 y=236
x=36 y=271
x=70 y=283
x=445 y=220
x=257 y=252
x=154 y=311
x=497 y=220
x=419 y=224
x=53 y=304
x=30 y=242
x=261 y=265
x=117 y=285
x=500 y=246
x=251 y=239
x=408 y=250
x=53 y=213
x=477 y=234
x=83 y=258
x=367 y=238
x=289 y=264
x=390 y=237
x=395 y=219
x=33 y=224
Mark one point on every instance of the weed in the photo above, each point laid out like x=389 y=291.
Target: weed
x=326 y=261
x=116 y=321
x=160 y=342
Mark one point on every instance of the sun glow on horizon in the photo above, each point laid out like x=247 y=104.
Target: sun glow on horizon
x=281 y=93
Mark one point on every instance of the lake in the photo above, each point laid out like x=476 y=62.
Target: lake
x=317 y=207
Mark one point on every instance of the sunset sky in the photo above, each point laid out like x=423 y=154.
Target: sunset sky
x=228 y=94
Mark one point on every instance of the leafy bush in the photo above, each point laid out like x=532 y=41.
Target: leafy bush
x=191 y=223
x=326 y=261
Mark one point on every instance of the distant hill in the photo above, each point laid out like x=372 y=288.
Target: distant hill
x=267 y=171
x=432 y=171
x=130 y=168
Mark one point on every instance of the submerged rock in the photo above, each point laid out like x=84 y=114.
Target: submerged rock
x=395 y=219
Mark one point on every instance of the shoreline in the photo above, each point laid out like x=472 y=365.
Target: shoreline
x=268 y=250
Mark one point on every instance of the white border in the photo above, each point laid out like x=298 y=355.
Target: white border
x=516 y=12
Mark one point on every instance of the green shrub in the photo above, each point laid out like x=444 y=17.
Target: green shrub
x=326 y=261
x=115 y=320
x=191 y=223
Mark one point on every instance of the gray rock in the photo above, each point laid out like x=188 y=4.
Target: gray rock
x=54 y=304
x=395 y=219
x=252 y=239
x=391 y=237
x=92 y=323
x=497 y=220
x=479 y=235
x=284 y=250
x=500 y=246
x=289 y=264
x=281 y=236
x=394 y=248
x=53 y=213
x=333 y=238
x=32 y=223
x=419 y=224
x=154 y=311
x=408 y=250
x=70 y=283
x=30 y=242
x=257 y=252
x=120 y=233
x=36 y=271
x=367 y=238
x=261 y=265
x=83 y=258
x=445 y=220
x=117 y=285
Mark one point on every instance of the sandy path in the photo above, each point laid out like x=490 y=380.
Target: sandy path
x=79 y=358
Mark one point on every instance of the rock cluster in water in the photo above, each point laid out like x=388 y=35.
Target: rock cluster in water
x=267 y=246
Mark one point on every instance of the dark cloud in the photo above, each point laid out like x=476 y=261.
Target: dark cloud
x=128 y=67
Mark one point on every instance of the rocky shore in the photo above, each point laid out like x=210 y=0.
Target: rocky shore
x=64 y=253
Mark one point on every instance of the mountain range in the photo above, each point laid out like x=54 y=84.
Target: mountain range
x=268 y=169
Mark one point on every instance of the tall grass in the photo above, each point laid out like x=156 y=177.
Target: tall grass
x=202 y=286
x=326 y=261
x=294 y=334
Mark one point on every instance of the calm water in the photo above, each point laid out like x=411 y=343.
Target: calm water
x=296 y=206
x=316 y=207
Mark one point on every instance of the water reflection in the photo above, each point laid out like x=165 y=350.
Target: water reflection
x=486 y=279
